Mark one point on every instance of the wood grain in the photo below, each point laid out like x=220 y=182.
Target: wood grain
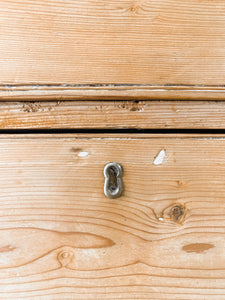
x=112 y=49
x=113 y=115
x=60 y=238
x=110 y=92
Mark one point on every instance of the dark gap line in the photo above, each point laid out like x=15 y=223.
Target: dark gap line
x=112 y=131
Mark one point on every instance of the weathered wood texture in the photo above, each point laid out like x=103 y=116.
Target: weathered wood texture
x=112 y=49
x=113 y=115
x=110 y=92
x=60 y=238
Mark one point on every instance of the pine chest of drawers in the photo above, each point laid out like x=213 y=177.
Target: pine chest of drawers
x=84 y=84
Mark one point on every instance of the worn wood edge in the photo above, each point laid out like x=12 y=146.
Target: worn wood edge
x=109 y=92
x=112 y=136
x=135 y=114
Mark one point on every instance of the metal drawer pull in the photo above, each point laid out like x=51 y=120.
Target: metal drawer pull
x=113 y=186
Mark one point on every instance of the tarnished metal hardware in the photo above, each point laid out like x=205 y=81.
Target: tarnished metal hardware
x=113 y=186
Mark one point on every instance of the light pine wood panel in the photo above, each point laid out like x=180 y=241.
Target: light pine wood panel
x=91 y=49
x=113 y=115
x=61 y=238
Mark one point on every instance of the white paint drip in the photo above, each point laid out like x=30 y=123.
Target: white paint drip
x=83 y=154
x=160 y=158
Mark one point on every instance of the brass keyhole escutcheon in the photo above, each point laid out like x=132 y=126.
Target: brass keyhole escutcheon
x=113 y=186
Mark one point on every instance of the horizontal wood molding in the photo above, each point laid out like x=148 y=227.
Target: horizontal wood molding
x=60 y=237
x=113 y=115
x=110 y=92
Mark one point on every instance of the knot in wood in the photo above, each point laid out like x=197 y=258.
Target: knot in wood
x=177 y=212
x=65 y=257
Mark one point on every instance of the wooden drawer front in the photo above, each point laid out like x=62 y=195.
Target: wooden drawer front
x=61 y=238
x=118 y=48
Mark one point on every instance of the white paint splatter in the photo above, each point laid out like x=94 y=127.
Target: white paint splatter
x=161 y=219
x=83 y=154
x=160 y=158
x=59 y=33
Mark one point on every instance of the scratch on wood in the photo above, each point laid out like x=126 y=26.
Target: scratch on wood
x=132 y=105
x=7 y=249
x=31 y=107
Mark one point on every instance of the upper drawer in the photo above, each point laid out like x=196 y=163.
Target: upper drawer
x=119 y=48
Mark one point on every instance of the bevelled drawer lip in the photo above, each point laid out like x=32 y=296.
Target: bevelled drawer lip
x=116 y=136
x=45 y=92
x=72 y=50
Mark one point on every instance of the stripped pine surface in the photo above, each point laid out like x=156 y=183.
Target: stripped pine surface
x=113 y=115
x=61 y=238
x=112 y=49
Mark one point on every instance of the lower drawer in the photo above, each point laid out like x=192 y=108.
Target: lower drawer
x=62 y=238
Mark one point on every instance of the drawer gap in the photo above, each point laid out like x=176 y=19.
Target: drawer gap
x=112 y=131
